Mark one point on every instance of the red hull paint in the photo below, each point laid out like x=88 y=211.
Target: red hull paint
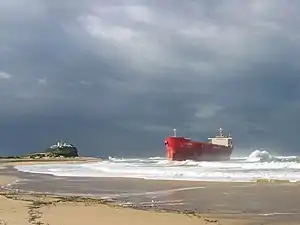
x=180 y=148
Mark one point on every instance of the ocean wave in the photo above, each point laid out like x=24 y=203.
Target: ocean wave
x=265 y=156
x=258 y=165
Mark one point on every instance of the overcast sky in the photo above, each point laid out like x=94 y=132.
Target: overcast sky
x=115 y=77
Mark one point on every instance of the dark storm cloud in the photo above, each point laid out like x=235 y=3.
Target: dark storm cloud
x=115 y=77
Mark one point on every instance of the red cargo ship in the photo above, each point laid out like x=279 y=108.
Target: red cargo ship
x=217 y=148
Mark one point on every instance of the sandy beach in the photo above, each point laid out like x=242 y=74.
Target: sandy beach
x=25 y=207
x=21 y=209
x=42 y=209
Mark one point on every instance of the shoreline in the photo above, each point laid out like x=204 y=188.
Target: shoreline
x=43 y=208
x=78 y=160
x=13 y=162
x=46 y=204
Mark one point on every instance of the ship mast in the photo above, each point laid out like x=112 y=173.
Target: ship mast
x=221 y=132
x=174 y=132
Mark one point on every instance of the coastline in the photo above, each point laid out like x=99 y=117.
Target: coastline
x=50 y=209
x=46 y=209
x=26 y=161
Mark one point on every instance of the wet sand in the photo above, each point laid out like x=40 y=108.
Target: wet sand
x=21 y=208
x=244 y=203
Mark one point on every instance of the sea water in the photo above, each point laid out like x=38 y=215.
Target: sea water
x=258 y=165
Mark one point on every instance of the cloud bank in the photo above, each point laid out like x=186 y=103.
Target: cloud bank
x=115 y=78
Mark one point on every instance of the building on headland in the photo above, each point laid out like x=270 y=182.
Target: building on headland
x=61 y=144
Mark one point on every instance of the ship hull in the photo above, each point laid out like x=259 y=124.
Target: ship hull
x=179 y=149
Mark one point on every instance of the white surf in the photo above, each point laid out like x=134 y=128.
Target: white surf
x=258 y=165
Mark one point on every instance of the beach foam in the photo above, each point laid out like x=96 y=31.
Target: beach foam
x=258 y=165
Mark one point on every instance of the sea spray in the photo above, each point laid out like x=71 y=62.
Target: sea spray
x=258 y=166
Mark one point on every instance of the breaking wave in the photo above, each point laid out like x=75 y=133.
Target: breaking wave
x=257 y=166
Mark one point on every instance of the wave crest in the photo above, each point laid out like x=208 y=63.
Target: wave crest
x=259 y=166
x=265 y=156
x=259 y=156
